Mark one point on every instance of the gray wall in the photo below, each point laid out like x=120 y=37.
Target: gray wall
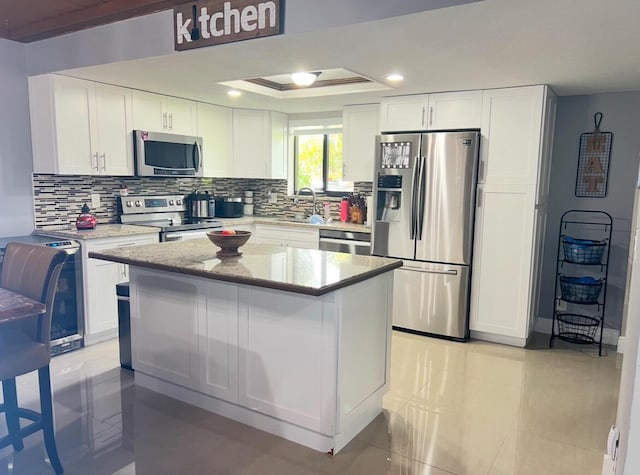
x=16 y=212
x=575 y=116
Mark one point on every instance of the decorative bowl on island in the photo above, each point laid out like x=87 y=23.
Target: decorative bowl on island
x=228 y=240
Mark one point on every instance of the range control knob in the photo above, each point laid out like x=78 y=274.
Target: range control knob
x=138 y=203
x=128 y=204
x=178 y=202
x=171 y=203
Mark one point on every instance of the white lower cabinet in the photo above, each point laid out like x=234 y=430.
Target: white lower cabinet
x=502 y=262
x=286 y=236
x=99 y=283
x=274 y=382
x=310 y=369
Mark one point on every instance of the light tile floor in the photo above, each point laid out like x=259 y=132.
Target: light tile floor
x=474 y=408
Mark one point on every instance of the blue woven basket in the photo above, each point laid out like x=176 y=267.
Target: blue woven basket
x=580 y=289
x=582 y=251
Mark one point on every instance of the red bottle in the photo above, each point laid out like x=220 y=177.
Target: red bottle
x=344 y=210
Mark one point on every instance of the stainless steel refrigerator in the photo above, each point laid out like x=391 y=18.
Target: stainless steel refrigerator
x=424 y=203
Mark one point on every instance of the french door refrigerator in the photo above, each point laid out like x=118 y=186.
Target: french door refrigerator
x=424 y=202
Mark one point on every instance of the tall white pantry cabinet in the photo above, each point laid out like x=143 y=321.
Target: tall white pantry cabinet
x=511 y=214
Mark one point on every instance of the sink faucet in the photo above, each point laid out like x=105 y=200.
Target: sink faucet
x=306 y=188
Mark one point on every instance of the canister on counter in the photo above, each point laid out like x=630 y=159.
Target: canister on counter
x=344 y=209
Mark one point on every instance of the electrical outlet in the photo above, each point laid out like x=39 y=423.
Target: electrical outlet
x=273 y=197
x=562 y=305
x=95 y=200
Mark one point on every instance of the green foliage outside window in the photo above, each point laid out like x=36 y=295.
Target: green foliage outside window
x=317 y=169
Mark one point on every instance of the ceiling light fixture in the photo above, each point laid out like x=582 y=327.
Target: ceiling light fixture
x=304 y=79
x=234 y=93
x=395 y=77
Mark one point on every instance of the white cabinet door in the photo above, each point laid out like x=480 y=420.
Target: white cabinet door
x=271 y=330
x=360 y=125
x=404 y=113
x=73 y=126
x=279 y=124
x=101 y=298
x=215 y=126
x=511 y=131
x=100 y=279
x=218 y=333
x=149 y=111
x=113 y=130
x=455 y=110
x=502 y=261
x=164 y=326
x=181 y=116
x=251 y=143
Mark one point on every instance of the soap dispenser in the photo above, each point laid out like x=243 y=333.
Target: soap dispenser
x=86 y=220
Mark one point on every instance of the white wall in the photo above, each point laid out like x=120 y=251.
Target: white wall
x=575 y=116
x=16 y=212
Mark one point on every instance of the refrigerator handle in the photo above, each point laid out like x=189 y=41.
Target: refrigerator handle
x=430 y=271
x=414 y=195
x=421 y=198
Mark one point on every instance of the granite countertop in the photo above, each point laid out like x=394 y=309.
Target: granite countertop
x=305 y=271
x=100 y=232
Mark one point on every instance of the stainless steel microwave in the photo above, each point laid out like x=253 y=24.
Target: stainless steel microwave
x=159 y=154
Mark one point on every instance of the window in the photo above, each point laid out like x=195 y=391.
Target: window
x=318 y=157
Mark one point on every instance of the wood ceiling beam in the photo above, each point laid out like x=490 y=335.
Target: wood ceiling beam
x=102 y=14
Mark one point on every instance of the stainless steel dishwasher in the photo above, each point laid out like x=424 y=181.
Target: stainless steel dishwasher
x=351 y=242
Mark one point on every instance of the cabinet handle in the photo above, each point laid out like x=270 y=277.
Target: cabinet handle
x=94 y=160
x=422 y=121
x=164 y=121
x=481 y=171
x=430 y=116
x=103 y=160
x=479 y=199
x=170 y=121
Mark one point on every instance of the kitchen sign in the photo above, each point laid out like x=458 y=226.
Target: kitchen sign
x=214 y=22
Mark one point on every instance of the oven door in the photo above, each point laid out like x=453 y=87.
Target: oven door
x=183 y=235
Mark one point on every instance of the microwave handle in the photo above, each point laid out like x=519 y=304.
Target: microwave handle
x=197 y=152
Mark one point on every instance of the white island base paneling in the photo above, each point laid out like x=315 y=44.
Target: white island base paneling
x=310 y=369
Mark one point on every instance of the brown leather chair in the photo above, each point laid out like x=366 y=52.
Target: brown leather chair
x=32 y=271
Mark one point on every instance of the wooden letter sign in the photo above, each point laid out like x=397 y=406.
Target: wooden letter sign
x=213 y=22
x=593 y=161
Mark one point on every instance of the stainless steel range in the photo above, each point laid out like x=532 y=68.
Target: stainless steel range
x=167 y=212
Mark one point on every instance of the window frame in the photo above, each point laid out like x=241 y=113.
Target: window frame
x=325 y=132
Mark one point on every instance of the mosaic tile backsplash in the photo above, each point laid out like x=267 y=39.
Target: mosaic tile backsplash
x=59 y=198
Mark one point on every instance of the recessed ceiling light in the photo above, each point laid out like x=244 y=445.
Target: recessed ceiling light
x=234 y=93
x=395 y=77
x=304 y=79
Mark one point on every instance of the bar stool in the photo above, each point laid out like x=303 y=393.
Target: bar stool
x=31 y=271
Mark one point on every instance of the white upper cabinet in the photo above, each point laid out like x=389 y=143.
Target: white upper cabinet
x=455 y=110
x=511 y=131
x=442 y=111
x=360 y=125
x=259 y=144
x=158 y=113
x=404 y=113
x=79 y=127
x=215 y=126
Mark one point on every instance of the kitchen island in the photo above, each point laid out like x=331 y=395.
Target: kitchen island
x=292 y=341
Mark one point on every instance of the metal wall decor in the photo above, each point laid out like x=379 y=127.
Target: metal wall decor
x=593 y=161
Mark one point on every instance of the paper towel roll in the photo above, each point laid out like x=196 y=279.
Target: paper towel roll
x=369 y=221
